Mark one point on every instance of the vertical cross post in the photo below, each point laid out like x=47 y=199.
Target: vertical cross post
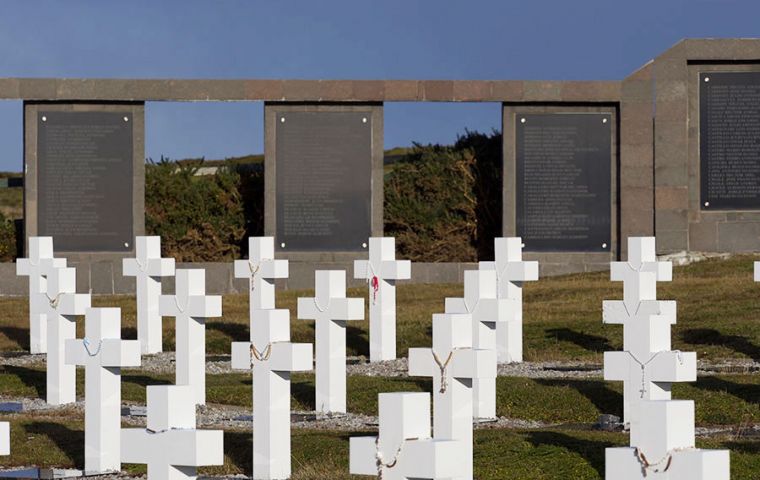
x=486 y=310
x=330 y=309
x=261 y=270
x=148 y=267
x=191 y=306
x=381 y=271
x=271 y=358
x=37 y=267
x=102 y=352
x=511 y=273
x=453 y=364
x=60 y=305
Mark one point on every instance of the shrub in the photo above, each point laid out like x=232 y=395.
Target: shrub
x=8 y=247
x=200 y=218
x=443 y=203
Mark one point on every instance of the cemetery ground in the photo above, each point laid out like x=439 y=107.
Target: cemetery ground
x=547 y=406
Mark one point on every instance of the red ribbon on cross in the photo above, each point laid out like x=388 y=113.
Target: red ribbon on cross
x=375 y=287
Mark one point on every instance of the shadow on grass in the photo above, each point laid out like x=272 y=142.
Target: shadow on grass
x=305 y=393
x=709 y=336
x=129 y=333
x=35 y=379
x=238 y=446
x=236 y=331
x=70 y=442
x=591 y=450
x=747 y=392
x=144 y=380
x=18 y=335
x=356 y=341
x=597 y=392
x=751 y=447
x=592 y=343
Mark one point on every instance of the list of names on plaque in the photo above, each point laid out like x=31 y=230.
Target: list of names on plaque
x=85 y=170
x=323 y=172
x=563 y=166
x=729 y=128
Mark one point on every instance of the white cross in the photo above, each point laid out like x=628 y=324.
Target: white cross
x=37 y=267
x=480 y=301
x=511 y=272
x=453 y=364
x=261 y=270
x=649 y=377
x=403 y=450
x=60 y=305
x=757 y=271
x=5 y=438
x=148 y=267
x=272 y=358
x=171 y=446
x=191 y=307
x=647 y=329
x=663 y=447
x=381 y=272
x=330 y=309
x=102 y=352
x=641 y=272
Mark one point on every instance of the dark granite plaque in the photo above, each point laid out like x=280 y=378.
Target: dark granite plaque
x=563 y=195
x=84 y=180
x=324 y=164
x=729 y=140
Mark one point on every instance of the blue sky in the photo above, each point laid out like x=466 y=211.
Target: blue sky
x=358 y=39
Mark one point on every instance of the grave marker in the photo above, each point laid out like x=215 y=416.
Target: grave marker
x=148 y=267
x=60 y=305
x=37 y=267
x=480 y=301
x=271 y=357
x=261 y=269
x=647 y=366
x=404 y=449
x=664 y=447
x=170 y=445
x=511 y=272
x=5 y=438
x=453 y=364
x=330 y=309
x=102 y=352
x=381 y=271
x=191 y=306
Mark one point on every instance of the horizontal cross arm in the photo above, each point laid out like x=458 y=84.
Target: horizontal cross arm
x=264 y=269
x=154 y=267
x=421 y=363
x=396 y=270
x=291 y=357
x=473 y=363
x=74 y=303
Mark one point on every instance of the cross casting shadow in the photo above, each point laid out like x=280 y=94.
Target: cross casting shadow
x=591 y=450
x=709 y=336
x=238 y=446
x=747 y=392
x=592 y=343
x=751 y=447
x=238 y=332
x=70 y=442
x=35 y=379
x=598 y=392
x=18 y=335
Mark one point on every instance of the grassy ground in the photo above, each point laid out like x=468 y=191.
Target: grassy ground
x=718 y=310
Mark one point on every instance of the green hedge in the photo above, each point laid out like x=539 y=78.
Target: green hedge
x=443 y=203
x=202 y=218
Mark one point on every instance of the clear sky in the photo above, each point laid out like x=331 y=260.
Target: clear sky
x=338 y=39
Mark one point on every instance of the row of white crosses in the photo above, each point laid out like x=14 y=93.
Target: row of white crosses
x=102 y=352
x=661 y=429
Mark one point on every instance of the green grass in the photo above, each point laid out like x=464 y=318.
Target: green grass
x=718 y=310
x=550 y=454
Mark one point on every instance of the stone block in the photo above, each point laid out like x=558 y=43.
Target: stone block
x=671 y=241
x=703 y=236
x=438 y=90
x=738 y=237
x=507 y=90
x=403 y=90
x=471 y=91
x=101 y=277
x=369 y=90
x=671 y=198
x=263 y=90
